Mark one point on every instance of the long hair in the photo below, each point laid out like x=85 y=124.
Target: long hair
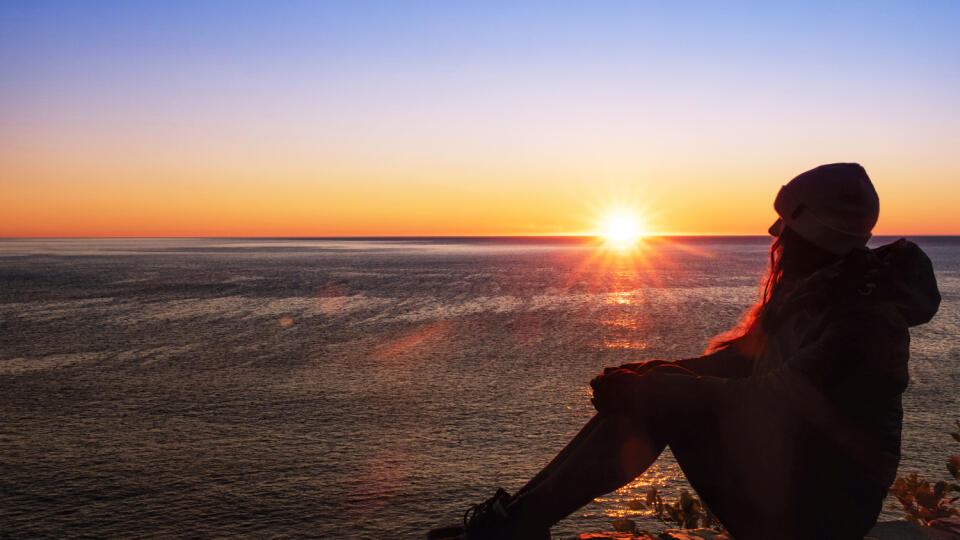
x=792 y=258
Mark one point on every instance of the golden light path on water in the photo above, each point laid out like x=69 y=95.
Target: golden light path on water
x=620 y=257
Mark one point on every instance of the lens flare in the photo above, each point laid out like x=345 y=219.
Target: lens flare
x=621 y=230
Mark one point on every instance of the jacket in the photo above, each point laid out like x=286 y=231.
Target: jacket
x=809 y=399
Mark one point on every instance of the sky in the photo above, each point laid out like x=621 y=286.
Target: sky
x=466 y=118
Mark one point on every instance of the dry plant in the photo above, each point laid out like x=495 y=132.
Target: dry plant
x=688 y=512
x=924 y=503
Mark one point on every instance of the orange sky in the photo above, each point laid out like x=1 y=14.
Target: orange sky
x=173 y=124
x=233 y=192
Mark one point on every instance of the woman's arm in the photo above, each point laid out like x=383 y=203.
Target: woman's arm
x=727 y=362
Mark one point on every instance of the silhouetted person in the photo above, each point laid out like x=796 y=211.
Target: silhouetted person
x=789 y=427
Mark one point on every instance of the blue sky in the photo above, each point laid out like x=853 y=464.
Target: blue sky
x=625 y=89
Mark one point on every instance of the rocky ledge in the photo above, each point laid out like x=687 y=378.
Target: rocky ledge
x=889 y=530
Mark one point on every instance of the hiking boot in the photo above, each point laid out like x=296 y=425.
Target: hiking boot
x=485 y=521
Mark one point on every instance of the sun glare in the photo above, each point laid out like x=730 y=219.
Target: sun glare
x=621 y=230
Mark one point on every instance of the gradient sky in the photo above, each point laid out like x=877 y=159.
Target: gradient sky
x=456 y=118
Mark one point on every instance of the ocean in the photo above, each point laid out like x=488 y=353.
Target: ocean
x=357 y=388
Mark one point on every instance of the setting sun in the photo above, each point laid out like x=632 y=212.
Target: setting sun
x=621 y=230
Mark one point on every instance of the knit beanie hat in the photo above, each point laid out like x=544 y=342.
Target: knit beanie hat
x=832 y=206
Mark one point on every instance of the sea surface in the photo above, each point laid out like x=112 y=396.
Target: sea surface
x=365 y=388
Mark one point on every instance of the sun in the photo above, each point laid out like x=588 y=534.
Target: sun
x=621 y=229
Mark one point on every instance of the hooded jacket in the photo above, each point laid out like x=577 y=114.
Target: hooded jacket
x=835 y=352
x=804 y=412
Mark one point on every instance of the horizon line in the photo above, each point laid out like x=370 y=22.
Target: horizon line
x=427 y=236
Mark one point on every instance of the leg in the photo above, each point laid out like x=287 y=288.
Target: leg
x=585 y=433
x=587 y=430
x=607 y=454
x=560 y=458
x=614 y=448
x=610 y=451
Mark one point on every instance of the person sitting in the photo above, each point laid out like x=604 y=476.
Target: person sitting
x=789 y=427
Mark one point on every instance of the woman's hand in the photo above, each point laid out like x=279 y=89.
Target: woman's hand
x=659 y=366
x=616 y=389
x=638 y=367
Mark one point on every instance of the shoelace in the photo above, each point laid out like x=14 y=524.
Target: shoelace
x=478 y=513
